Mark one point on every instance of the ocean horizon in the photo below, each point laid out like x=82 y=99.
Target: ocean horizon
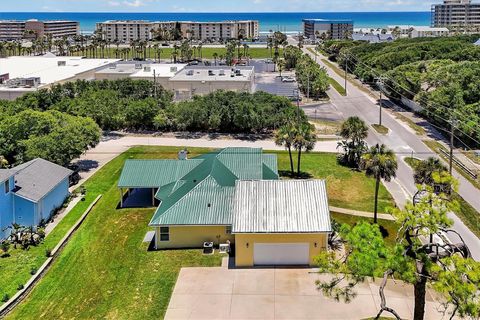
x=276 y=21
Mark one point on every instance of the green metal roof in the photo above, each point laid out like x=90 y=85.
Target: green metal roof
x=154 y=173
x=198 y=191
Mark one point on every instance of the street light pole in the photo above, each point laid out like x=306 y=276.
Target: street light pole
x=452 y=135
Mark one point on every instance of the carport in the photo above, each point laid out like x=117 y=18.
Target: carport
x=141 y=179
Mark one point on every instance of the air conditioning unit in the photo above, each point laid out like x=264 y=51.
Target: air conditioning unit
x=221 y=73
x=189 y=72
x=138 y=66
x=113 y=66
x=173 y=69
x=62 y=63
x=211 y=73
x=147 y=69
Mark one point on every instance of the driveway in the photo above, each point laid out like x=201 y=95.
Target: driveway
x=222 y=293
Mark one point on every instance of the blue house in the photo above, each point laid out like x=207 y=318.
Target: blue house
x=30 y=193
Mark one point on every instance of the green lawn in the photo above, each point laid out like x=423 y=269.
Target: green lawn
x=347 y=188
x=105 y=271
x=207 y=53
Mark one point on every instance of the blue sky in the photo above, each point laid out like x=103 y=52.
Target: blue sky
x=214 y=5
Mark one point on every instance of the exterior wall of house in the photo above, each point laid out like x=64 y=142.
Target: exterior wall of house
x=6 y=207
x=244 y=255
x=52 y=201
x=192 y=236
x=25 y=211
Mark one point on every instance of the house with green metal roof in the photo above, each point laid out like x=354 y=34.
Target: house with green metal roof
x=232 y=192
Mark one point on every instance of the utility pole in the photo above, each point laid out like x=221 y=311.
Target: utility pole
x=154 y=84
x=298 y=107
x=308 y=85
x=452 y=136
x=380 y=86
x=346 y=70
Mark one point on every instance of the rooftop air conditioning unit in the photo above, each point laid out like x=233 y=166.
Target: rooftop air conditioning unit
x=173 y=69
x=62 y=63
x=113 y=66
x=221 y=73
x=147 y=69
x=189 y=72
x=211 y=73
x=138 y=66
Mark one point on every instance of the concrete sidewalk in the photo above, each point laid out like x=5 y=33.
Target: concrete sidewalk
x=280 y=293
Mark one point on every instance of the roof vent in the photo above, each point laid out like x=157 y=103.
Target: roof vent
x=183 y=154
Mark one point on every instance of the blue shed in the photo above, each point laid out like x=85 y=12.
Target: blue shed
x=31 y=192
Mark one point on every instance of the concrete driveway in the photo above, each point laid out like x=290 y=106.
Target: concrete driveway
x=222 y=293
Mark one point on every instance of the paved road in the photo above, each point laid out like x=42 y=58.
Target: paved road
x=403 y=141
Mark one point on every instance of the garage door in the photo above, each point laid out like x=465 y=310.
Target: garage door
x=281 y=254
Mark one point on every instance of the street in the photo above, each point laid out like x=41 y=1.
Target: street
x=403 y=141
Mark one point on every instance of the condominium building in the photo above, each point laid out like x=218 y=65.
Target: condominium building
x=456 y=13
x=220 y=30
x=332 y=29
x=408 y=31
x=132 y=30
x=15 y=30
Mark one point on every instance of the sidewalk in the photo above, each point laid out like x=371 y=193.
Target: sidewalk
x=384 y=216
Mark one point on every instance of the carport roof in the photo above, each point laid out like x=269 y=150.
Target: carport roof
x=154 y=173
x=281 y=206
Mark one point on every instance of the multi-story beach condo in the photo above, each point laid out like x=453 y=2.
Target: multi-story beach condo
x=15 y=30
x=220 y=30
x=127 y=31
x=333 y=29
x=456 y=13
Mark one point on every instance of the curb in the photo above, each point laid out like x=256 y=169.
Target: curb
x=21 y=294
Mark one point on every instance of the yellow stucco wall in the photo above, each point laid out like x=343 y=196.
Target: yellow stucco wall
x=244 y=255
x=193 y=236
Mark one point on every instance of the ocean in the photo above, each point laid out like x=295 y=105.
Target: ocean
x=282 y=21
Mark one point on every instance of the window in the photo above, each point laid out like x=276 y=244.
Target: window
x=228 y=230
x=164 y=234
x=7 y=186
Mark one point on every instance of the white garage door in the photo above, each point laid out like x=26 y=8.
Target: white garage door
x=281 y=254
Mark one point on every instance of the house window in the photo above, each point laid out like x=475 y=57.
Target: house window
x=7 y=186
x=228 y=230
x=164 y=234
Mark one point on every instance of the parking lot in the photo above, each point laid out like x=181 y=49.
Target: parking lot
x=271 y=82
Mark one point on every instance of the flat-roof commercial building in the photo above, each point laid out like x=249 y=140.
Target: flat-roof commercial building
x=456 y=13
x=133 y=30
x=332 y=29
x=408 y=31
x=15 y=30
x=184 y=81
x=26 y=74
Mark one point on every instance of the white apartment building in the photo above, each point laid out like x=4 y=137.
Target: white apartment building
x=456 y=13
x=132 y=30
x=16 y=30
x=406 y=31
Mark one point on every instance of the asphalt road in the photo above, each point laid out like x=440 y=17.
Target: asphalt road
x=403 y=141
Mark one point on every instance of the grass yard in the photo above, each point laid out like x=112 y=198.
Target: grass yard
x=418 y=129
x=105 y=271
x=346 y=188
x=326 y=126
x=207 y=53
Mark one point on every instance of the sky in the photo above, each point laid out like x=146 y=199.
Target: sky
x=214 y=5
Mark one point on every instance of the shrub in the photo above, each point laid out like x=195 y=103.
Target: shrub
x=48 y=253
x=20 y=287
x=5 y=298
x=33 y=270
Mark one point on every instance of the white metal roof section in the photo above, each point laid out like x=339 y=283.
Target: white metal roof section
x=158 y=70
x=50 y=69
x=281 y=206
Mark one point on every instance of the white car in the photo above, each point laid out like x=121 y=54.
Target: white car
x=288 y=79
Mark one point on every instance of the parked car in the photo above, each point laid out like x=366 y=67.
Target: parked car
x=288 y=79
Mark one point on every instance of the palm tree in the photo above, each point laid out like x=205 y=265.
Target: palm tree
x=281 y=66
x=354 y=130
x=285 y=136
x=305 y=140
x=215 y=57
x=379 y=162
